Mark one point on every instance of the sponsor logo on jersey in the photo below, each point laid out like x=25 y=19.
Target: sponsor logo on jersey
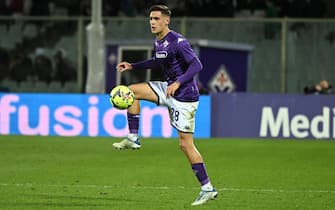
x=161 y=54
x=165 y=43
x=180 y=40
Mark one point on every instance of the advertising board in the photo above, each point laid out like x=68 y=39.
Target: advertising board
x=86 y=115
x=273 y=116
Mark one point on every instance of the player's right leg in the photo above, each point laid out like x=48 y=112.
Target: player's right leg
x=141 y=91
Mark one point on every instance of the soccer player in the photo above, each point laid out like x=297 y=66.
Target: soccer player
x=175 y=57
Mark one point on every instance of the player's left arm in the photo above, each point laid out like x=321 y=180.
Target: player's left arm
x=194 y=66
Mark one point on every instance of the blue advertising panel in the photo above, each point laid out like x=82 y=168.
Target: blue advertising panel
x=86 y=115
x=273 y=116
x=225 y=66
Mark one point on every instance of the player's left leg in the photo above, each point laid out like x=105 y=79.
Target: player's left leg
x=182 y=116
x=207 y=192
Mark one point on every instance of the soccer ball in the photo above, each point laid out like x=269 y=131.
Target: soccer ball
x=121 y=97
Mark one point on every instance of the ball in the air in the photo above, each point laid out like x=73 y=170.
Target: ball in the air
x=121 y=97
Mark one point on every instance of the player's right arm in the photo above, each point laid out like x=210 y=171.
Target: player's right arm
x=146 y=64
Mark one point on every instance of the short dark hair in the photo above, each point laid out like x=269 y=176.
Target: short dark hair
x=162 y=8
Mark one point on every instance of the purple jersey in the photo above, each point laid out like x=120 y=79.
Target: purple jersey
x=175 y=57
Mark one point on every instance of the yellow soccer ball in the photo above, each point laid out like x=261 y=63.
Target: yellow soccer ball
x=121 y=97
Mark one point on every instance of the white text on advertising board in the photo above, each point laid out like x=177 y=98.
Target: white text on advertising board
x=297 y=126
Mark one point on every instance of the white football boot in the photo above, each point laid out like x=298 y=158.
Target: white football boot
x=128 y=144
x=205 y=196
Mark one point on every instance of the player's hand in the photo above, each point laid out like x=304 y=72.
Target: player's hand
x=171 y=89
x=124 y=66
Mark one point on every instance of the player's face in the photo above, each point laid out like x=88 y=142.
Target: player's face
x=159 y=23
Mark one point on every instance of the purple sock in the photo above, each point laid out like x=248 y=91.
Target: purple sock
x=200 y=172
x=133 y=122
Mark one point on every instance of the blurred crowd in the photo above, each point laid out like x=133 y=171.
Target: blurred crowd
x=22 y=64
x=192 y=8
x=321 y=88
x=37 y=67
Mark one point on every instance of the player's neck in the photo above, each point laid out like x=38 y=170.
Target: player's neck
x=162 y=34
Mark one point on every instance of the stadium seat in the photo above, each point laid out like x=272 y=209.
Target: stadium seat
x=30 y=30
x=3 y=33
x=69 y=44
x=71 y=87
x=55 y=87
x=41 y=86
x=14 y=35
x=11 y=85
x=26 y=86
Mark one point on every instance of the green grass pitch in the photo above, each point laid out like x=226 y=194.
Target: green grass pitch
x=87 y=173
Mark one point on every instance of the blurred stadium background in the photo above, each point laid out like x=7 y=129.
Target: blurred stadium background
x=44 y=65
x=289 y=52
